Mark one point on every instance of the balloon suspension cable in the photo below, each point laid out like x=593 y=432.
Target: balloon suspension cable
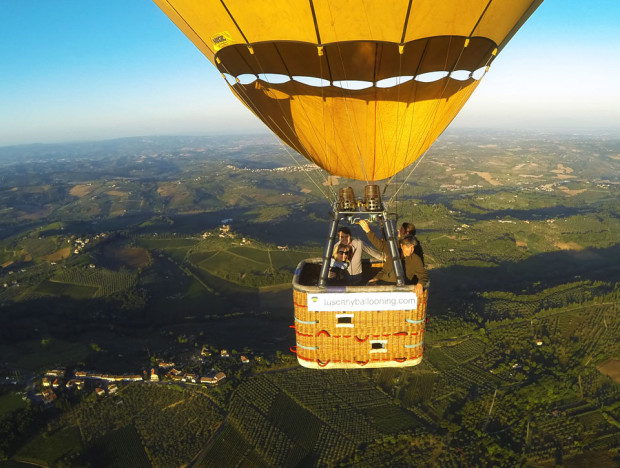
x=401 y=185
x=302 y=169
x=407 y=178
x=246 y=101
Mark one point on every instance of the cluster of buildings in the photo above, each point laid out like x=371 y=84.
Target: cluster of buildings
x=168 y=371
x=288 y=169
x=180 y=376
x=225 y=231
x=55 y=380
x=79 y=243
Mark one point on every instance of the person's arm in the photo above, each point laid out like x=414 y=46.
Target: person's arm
x=374 y=253
x=374 y=240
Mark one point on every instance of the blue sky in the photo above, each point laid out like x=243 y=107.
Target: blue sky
x=75 y=70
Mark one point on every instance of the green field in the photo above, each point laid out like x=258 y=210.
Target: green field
x=167 y=244
x=10 y=402
x=40 y=246
x=223 y=262
x=74 y=291
x=36 y=355
x=254 y=255
x=49 y=449
x=289 y=260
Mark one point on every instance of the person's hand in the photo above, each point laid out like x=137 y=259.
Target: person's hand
x=364 y=225
x=419 y=290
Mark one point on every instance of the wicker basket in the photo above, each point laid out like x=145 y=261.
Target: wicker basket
x=345 y=339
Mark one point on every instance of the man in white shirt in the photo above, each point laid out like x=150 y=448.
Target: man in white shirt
x=355 y=260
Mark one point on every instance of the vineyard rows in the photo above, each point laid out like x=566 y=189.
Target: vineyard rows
x=606 y=442
x=158 y=413
x=229 y=449
x=329 y=390
x=287 y=416
x=267 y=439
x=465 y=350
x=108 y=282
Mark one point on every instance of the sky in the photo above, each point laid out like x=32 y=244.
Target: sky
x=79 y=70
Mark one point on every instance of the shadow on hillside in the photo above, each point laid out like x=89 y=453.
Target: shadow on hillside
x=178 y=317
x=100 y=333
x=453 y=287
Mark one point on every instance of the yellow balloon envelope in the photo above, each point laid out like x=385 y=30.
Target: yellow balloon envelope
x=362 y=88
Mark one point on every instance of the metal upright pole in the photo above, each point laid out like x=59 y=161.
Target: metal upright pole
x=394 y=251
x=329 y=248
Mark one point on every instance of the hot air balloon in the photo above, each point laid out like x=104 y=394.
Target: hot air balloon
x=361 y=88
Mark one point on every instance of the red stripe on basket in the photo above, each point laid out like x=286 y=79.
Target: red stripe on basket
x=304 y=358
x=323 y=331
x=300 y=305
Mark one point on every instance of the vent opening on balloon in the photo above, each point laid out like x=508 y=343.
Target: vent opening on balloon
x=273 y=78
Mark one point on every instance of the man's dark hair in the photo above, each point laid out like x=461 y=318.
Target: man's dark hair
x=346 y=230
x=409 y=240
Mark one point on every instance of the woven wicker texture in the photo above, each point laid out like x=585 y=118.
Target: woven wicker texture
x=362 y=339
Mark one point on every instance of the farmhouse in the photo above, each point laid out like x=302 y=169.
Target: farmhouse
x=214 y=379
